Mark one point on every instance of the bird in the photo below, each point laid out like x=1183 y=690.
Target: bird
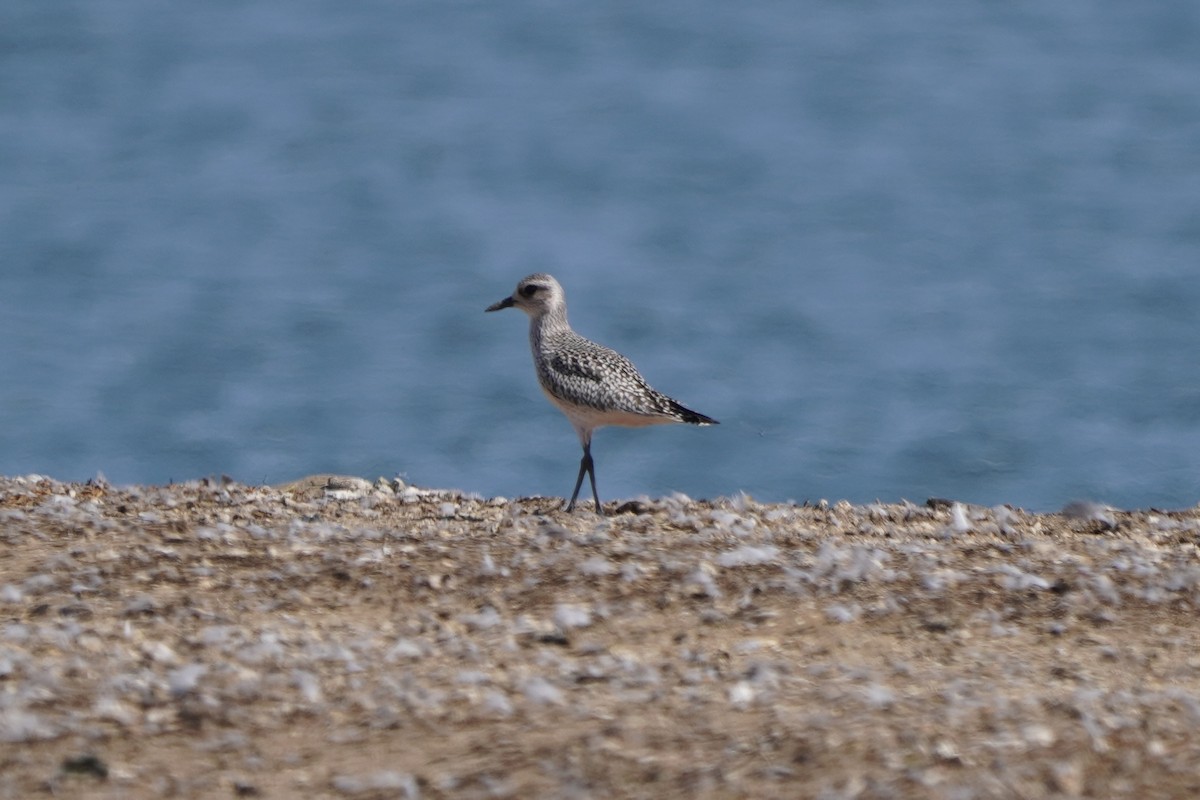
x=590 y=383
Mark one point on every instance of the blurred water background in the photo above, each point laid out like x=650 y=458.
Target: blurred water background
x=936 y=248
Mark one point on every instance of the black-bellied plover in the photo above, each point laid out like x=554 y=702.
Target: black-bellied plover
x=591 y=384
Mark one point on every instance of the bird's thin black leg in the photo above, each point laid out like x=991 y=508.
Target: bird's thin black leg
x=588 y=467
x=584 y=466
x=591 y=468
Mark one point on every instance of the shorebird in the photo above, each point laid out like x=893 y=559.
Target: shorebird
x=591 y=384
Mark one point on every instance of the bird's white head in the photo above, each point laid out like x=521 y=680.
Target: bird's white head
x=537 y=295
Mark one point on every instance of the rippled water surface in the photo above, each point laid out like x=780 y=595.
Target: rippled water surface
x=939 y=248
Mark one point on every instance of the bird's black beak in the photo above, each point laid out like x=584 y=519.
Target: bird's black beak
x=505 y=303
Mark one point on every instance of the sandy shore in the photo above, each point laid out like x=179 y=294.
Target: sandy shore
x=216 y=640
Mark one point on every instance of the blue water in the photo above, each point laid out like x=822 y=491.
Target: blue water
x=936 y=248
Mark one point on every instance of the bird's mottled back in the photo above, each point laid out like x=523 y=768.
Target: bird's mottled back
x=576 y=370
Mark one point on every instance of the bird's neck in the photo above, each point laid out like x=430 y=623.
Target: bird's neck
x=553 y=321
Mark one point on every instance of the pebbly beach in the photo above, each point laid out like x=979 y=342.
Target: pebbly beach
x=340 y=637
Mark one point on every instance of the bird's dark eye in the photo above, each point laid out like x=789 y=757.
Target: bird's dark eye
x=530 y=290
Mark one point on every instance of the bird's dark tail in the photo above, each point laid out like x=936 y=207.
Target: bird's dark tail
x=694 y=417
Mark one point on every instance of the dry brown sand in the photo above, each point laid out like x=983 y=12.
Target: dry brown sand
x=216 y=640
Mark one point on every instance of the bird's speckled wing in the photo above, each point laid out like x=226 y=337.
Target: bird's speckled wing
x=582 y=372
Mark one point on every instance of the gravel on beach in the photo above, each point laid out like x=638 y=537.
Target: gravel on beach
x=347 y=639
